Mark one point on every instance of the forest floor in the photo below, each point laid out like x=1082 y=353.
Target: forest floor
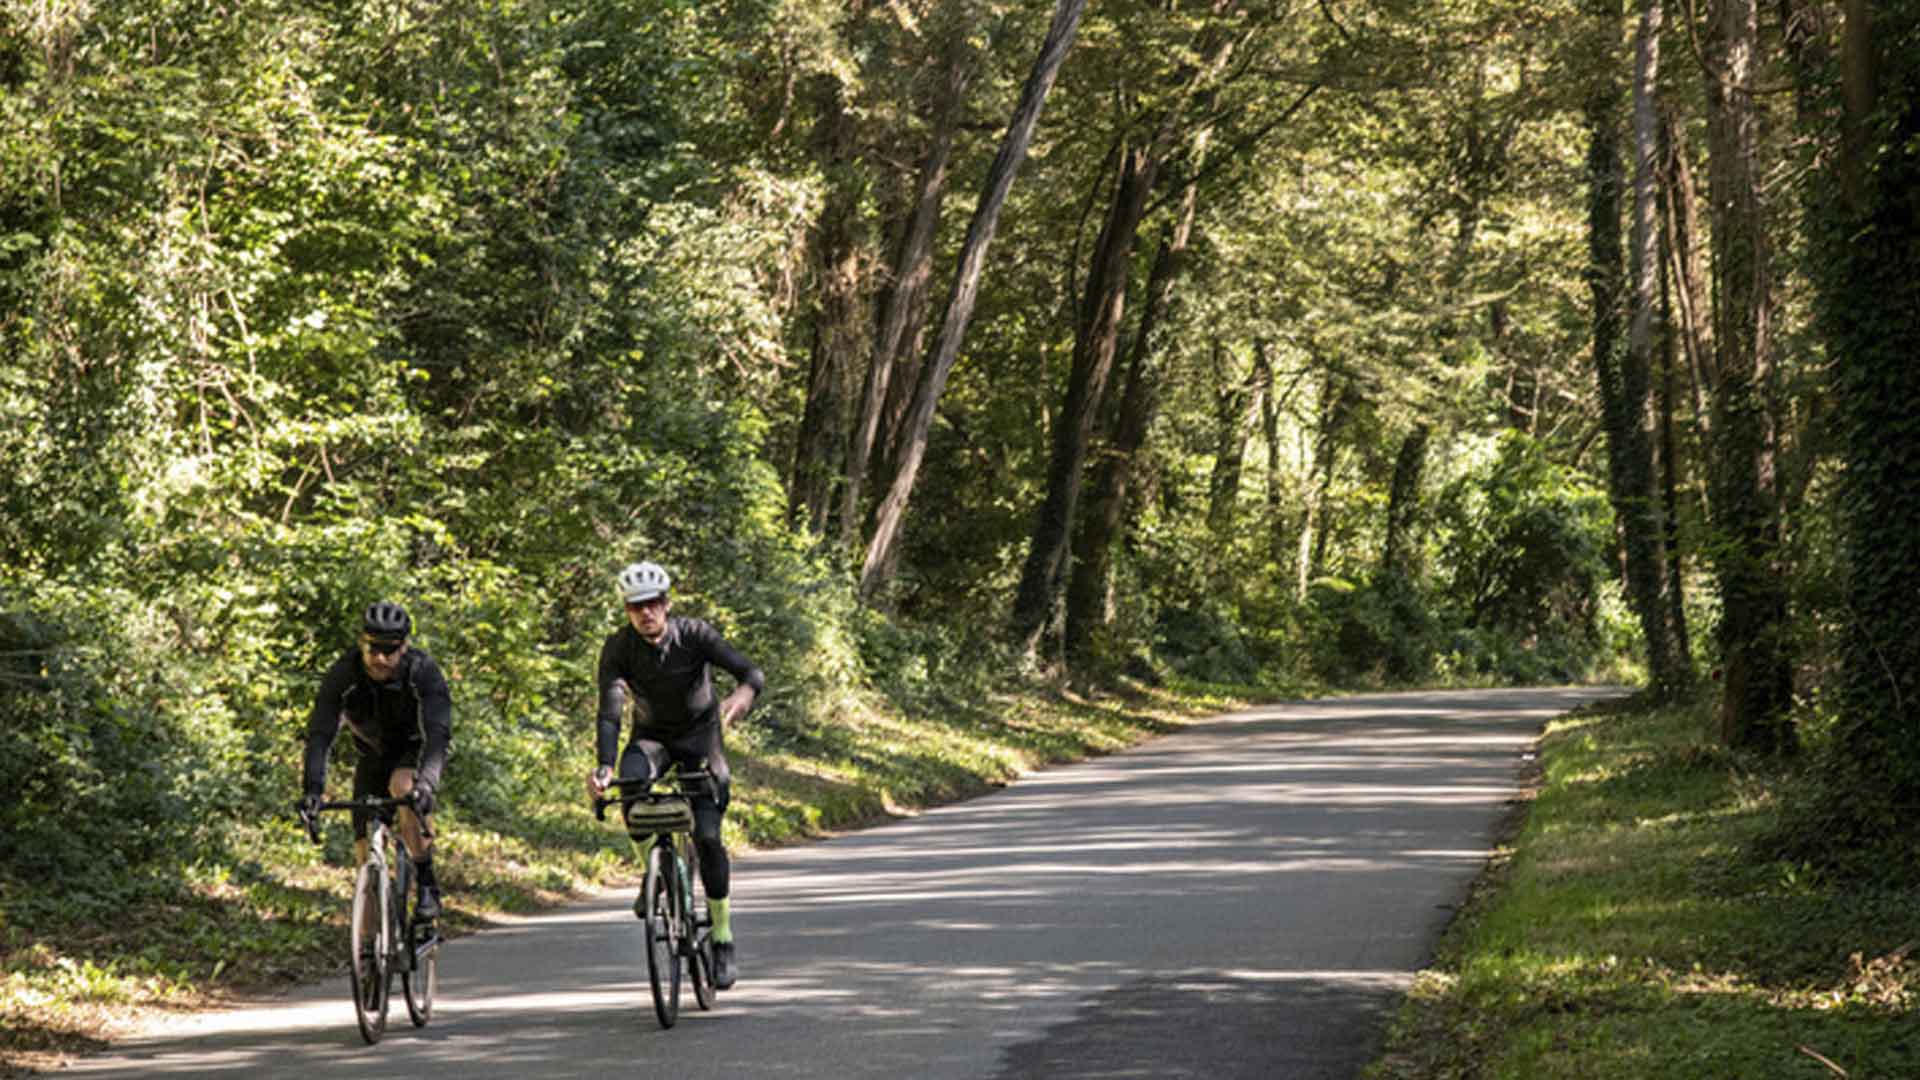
x=1629 y=927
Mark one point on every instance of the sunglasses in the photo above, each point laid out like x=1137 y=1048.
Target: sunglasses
x=642 y=605
x=384 y=648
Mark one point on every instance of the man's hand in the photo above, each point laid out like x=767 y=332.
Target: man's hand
x=597 y=781
x=735 y=705
x=422 y=795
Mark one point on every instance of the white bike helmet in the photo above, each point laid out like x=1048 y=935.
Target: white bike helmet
x=643 y=581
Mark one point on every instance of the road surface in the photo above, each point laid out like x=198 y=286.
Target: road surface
x=1245 y=898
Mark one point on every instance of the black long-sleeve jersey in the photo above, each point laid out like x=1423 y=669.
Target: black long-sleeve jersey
x=673 y=679
x=414 y=710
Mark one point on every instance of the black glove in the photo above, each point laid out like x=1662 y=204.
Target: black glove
x=422 y=798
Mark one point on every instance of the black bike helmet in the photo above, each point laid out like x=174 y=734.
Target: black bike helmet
x=386 y=619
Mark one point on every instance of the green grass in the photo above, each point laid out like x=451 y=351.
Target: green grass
x=1629 y=931
x=77 y=966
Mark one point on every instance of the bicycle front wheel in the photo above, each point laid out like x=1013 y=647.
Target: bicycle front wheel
x=699 y=936
x=420 y=983
x=661 y=903
x=368 y=970
x=416 y=953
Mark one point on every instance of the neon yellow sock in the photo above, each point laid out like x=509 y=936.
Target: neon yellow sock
x=722 y=921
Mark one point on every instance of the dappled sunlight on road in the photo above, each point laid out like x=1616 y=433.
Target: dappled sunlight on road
x=1247 y=897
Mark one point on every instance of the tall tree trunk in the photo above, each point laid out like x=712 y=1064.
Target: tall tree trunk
x=966 y=288
x=1753 y=602
x=1270 y=434
x=1403 y=500
x=1670 y=470
x=1691 y=303
x=1626 y=378
x=1241 y=402
x=820 y=447
x=1096 y=339
x=1312 y=537
x=1870 y=315
x=1089 y=586
x=910 y=271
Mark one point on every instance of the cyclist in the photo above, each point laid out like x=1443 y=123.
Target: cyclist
x=666 y=664
x=394 y=698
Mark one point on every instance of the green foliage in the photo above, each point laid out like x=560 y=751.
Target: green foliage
x=1523 y=541
x=1205 y=644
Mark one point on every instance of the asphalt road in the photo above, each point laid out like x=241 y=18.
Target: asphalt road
x=1246 y=898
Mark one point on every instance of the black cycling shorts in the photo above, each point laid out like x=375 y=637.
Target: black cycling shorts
x=370 y=777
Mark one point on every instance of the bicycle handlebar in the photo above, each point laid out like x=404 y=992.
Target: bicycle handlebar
x=678 y=783
x=364 y=802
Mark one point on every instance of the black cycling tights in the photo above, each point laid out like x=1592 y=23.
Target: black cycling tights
x=646 y=758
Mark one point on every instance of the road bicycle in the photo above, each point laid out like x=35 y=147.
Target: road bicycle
x=672 y=906
x=387 y=940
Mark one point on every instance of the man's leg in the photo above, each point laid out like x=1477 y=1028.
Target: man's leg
x=716 y=869
x=642 y=760
x=367 y=775
x=416 y=835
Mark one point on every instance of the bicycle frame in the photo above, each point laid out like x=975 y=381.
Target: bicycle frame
x=384 y=882
x=677 y=931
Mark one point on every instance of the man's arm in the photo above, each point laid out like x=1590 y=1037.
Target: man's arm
x=436 y=722
x=752 y=681
x=613 y=700
x=323 y=724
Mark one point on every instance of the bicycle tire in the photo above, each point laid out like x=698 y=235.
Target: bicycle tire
x=699 y=934
x=419 y=963
x=662 y=931
x=368 y=963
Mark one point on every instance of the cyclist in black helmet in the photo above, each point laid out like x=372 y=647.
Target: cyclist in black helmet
x=665 y=664
x=395 y=700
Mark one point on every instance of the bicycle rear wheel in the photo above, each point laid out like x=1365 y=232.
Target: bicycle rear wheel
x=699 y=937
x=663 y=934
x=368 y=970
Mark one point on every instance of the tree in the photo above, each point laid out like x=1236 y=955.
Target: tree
x=1625 y=374
x=1869 y=246
x=966 y=287
x=1754 y=650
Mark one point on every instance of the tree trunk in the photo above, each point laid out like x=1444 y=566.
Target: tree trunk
x=1332 y=410
x=1270 y=433
x=1241 y=402
x=1090 y=583
x=910 y=271
x=1753 y=602
x=966 y=289
x=1089 y=587
x=820 y=446
x=1626 y=379
x=1870 y=315
x=1096 y=340
x=1670 y=469
x=1404 y=500
x=1695 y=310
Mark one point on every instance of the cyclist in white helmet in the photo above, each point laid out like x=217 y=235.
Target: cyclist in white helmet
x=665 y=663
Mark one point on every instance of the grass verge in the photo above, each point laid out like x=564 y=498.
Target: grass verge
x=1626 y=929
x=80 y=966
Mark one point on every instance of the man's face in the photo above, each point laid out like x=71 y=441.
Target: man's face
x=649 y=617
x=381 y=655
